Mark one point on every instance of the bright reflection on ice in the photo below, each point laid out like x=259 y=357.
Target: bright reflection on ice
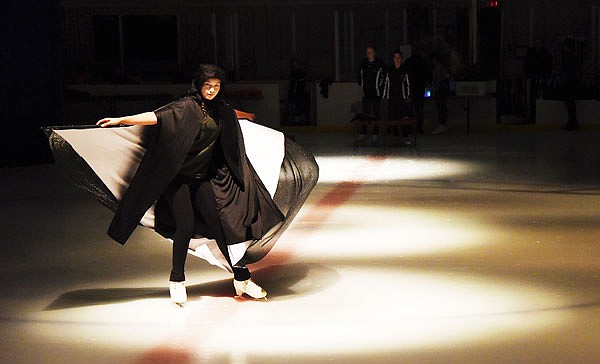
x=336 y=169
x=365 y=301
x=362 y=231
x=366 y=310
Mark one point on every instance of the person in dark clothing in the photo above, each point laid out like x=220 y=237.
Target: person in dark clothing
x=419 y=73
x=197 y=172
x=298 y=95
x=569 y=80
x=397 y=91
x=371 y=78
x=537 y=66
x=190 y=202
x=441 y=91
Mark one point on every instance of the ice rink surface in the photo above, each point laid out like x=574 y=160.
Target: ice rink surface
x=481 y=248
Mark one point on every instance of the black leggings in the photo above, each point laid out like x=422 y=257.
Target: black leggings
x=182 y=198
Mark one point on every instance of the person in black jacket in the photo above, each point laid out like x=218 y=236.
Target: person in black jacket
x=371 y=77
x=419 y=73
x=441 y=91
x=397 y=91
x=569 y=77
x=537 y=66
x=298 y=95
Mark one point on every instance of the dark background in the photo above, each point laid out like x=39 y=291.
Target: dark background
x=49 y=44
x=32 y=78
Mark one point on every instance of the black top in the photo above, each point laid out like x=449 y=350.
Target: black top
x=298 y=80
x=197 y=162
x=398 y=87
x=371 y=77
x=419 y=72
x=569 y=67
x=170 y=140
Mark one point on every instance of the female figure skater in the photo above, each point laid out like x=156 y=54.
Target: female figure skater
x=196 y=172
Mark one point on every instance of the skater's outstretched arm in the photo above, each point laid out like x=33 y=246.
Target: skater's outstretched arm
x=145 y=118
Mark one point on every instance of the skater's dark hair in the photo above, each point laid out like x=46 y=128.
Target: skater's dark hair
x=205 y=72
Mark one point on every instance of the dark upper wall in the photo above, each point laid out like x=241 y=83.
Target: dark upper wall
x=264 y=44
x=31 y=76
x=203 y=3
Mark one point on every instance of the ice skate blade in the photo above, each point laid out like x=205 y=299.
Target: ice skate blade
x=244 y=297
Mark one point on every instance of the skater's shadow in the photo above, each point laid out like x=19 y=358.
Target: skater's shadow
x=280 y=281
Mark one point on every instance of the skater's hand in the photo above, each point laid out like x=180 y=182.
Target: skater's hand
x=109 y=122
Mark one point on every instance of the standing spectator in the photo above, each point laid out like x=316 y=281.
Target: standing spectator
x=371 y=77
x=538 y=65
x=569 y=77
x=419 y=73
x=441 y=90
x=397 y=91
x=298 y=95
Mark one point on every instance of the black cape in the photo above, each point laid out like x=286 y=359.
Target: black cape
x=242 y=199
x=245 y=209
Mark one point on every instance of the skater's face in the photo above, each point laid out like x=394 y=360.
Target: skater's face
x=210 y=88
